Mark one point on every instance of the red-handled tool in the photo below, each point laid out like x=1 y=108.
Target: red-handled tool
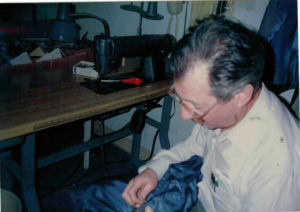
x=131 y=80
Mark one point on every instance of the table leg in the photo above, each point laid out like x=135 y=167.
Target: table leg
x=136 y=145
x=165 y=123
x=87 y=127
x=28 y=165
x=135 y=150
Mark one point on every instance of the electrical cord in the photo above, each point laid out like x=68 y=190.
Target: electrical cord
x=156 y=134
x=138 y=119
x=64 y=183
x=185 y=17
x=153 y=146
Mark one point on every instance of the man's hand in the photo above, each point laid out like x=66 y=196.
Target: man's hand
x=148 y=209
x=139 y=187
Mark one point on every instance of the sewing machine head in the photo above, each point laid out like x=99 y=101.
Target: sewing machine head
x=112 y=52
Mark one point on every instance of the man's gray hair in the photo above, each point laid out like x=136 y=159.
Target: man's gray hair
x=234 y=54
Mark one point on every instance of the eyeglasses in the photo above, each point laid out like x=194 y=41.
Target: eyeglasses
x=189 y=106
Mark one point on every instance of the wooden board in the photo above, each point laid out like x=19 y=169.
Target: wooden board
x=39 y=107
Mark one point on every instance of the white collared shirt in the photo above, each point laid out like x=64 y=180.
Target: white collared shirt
x=255 y=166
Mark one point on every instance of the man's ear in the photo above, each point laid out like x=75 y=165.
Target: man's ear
x=244 y=96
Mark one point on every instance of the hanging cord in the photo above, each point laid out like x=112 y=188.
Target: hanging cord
x=185 y=17
x=153 y=146
x=138 y=119
x=141 y=19
x=170 y=24
x=64 y=183
x=173 y=13
x=176 y=27
x=155 y=136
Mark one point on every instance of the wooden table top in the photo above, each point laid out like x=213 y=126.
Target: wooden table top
x=30 y=102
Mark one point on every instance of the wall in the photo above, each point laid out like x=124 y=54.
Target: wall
x=250 y=12
x=126 y=23
x=46 y=11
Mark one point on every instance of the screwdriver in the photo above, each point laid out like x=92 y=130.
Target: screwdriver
x=131 y=80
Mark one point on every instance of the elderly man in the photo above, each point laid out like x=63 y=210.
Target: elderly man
x=248 y=139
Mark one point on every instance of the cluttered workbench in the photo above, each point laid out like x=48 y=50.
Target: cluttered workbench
x=34 y=100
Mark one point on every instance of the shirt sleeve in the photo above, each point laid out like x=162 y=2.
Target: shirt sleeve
x=182 y=151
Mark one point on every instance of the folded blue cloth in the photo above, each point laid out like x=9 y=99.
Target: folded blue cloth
x=176 y=191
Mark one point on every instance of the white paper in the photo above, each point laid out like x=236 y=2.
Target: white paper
x=55 y=54
x=21 y=59
x=38 y=52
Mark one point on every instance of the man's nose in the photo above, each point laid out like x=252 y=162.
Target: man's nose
x=185 y=114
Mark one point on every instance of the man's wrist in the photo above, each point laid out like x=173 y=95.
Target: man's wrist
x=159 y=166
x=151 y=172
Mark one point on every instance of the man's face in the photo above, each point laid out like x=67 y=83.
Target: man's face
x=198 y=104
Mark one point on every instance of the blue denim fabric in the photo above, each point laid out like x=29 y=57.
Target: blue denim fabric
x=176 y=191
x=106 y=198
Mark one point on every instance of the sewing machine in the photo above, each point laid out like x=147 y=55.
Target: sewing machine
x=112 y=54
x=113 y=58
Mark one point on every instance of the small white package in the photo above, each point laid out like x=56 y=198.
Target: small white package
x=85 y=68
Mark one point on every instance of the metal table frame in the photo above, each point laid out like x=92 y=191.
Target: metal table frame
x=25 y=171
